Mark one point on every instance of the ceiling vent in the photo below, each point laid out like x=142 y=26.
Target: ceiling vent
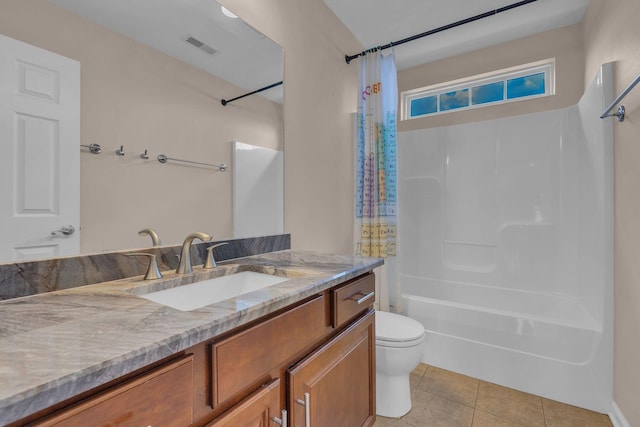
x=200 y=45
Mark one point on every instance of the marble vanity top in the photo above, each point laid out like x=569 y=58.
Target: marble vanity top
x=56 y=345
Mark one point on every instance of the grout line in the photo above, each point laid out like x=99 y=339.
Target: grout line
x=475 y=404
x=544 y=417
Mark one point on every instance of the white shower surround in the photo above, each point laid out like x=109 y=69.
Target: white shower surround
x=506 y=248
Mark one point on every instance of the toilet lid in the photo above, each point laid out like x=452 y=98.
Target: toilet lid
x=397 y=328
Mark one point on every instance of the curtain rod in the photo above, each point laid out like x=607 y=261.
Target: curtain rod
x=226 y=101
x=348 y=58
x=621 y=110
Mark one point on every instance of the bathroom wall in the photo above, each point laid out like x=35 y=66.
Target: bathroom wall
x=142 y=99
x=611 y=33
x=564 y=44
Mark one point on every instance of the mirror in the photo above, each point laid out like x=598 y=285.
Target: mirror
x=153 y=74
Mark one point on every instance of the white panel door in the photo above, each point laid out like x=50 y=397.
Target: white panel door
x=40 y=157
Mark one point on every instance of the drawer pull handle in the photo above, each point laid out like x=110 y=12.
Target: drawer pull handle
x=281 y=421
x=363 y=298
x=307 y=409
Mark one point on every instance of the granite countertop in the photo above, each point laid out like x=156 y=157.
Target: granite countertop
x=56 y=345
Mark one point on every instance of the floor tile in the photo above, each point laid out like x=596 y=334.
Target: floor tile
x=420 y=369
x=484 y=419
x=389 y=422
x=430 y=410
x=560 y=415
x=450 y=385
x=416 y=375
x=450 y=403
x=511 y=404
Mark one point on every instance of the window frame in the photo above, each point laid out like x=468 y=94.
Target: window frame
x=547 y=67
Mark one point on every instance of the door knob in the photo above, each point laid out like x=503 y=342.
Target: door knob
x=67 y=230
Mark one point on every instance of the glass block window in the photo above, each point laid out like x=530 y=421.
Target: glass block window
x=509 y=85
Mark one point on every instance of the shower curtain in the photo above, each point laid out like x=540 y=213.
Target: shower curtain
x=375 y=181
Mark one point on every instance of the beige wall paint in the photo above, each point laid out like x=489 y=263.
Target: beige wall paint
x=320 y=98
x=564 y=44
x=142 y=99
x=612 y=33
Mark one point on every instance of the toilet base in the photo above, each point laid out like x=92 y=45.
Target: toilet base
x=393 y=395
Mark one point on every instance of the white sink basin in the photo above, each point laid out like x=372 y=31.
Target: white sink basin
x=200 y=294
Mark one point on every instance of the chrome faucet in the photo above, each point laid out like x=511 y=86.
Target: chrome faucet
x=155 y=240
x=185 y=256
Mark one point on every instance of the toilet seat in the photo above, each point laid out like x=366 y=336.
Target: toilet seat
x=395 y=330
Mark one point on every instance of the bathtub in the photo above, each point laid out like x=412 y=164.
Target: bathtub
x=551 y=327
x=498 y=336
x=505 y=248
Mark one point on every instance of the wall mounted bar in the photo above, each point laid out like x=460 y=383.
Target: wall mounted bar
x=226 y=101
x=620 y=113
x=94 y=148
x=488 y=14
x=164 y=159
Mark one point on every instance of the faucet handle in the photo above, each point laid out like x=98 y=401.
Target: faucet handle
x=153 y=272
x=210 y=261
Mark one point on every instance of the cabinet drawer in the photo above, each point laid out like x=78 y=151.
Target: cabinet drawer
x=257 y=410
x=248 y=359
x=163 y=397
x=352 y=299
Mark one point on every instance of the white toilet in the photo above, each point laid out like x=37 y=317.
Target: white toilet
x=399 y=348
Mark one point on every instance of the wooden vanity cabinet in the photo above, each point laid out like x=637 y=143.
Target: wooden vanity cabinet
x=352 y=298
x=161 y=397
x=335 y=385
x=248 y=359
x=323 y=349
x=254 y=376
x=260 y=409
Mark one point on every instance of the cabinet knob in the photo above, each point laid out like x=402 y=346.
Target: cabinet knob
x=281 y=421
x=307 y=409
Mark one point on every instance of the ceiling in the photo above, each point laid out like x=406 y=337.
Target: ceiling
x=243 y=56
x=379 y=22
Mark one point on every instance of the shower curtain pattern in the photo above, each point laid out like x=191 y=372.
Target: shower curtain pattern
x=375 y=181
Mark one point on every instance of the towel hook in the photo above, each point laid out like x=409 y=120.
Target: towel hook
x=94 y=148
x=120 y=151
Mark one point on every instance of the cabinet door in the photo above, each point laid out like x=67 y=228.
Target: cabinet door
x=162 y=397
x=257 y=410
x=335 y=385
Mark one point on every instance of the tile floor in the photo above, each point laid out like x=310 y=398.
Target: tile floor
x=446 y=399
